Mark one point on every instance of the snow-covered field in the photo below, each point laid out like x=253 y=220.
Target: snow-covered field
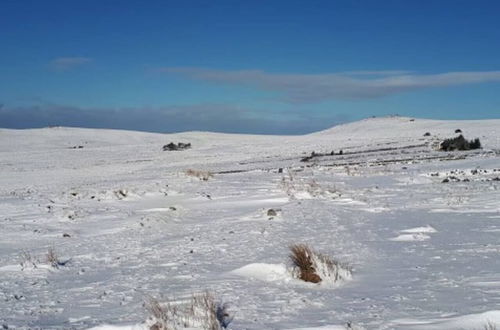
x=128 y=224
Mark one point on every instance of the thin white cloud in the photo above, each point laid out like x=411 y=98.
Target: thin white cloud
x=311 y=88
x=68 y=63
x=375 y=72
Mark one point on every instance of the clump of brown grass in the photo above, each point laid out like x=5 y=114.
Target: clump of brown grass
x=301 y=257
x=202 y=175
x=314 y=267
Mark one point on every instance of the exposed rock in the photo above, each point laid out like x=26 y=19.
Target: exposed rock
x=272 y=213
x=176 y=146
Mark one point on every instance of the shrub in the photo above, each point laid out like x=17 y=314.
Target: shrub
x=475 y=144
x=459 y=143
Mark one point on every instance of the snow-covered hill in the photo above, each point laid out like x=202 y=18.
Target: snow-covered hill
x=419 y=227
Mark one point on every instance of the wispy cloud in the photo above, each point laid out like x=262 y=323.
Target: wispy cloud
x=311 y=88
x=68 y=63
x=375 y=73
x=204 y=117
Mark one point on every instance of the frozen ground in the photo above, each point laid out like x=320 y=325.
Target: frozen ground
x=130 y=224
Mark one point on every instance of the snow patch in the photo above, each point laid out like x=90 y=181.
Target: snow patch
x=266 y=272
x=410 y=237
x=426 y=229
x=325 y=327
x=414 y=234
x=11 y=268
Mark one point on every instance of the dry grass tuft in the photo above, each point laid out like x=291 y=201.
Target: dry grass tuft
x=27 y=261
x=161 y=315
x=314 y=267
x=52 y=258
x=207 y=307
x=298 y=187
x=301 y=257
x=490 y=326
x=201 y=311
x=202 y=175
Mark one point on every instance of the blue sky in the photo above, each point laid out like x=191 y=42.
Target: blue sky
x=245 y=66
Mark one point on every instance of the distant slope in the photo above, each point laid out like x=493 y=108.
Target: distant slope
x=371 y=129
x=396 y=127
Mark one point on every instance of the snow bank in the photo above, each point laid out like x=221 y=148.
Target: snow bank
x=266 y=272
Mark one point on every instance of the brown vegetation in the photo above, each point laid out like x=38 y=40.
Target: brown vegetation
x=301 y=257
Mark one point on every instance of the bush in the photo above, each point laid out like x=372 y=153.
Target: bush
x=475 y=144
x=459 y=143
